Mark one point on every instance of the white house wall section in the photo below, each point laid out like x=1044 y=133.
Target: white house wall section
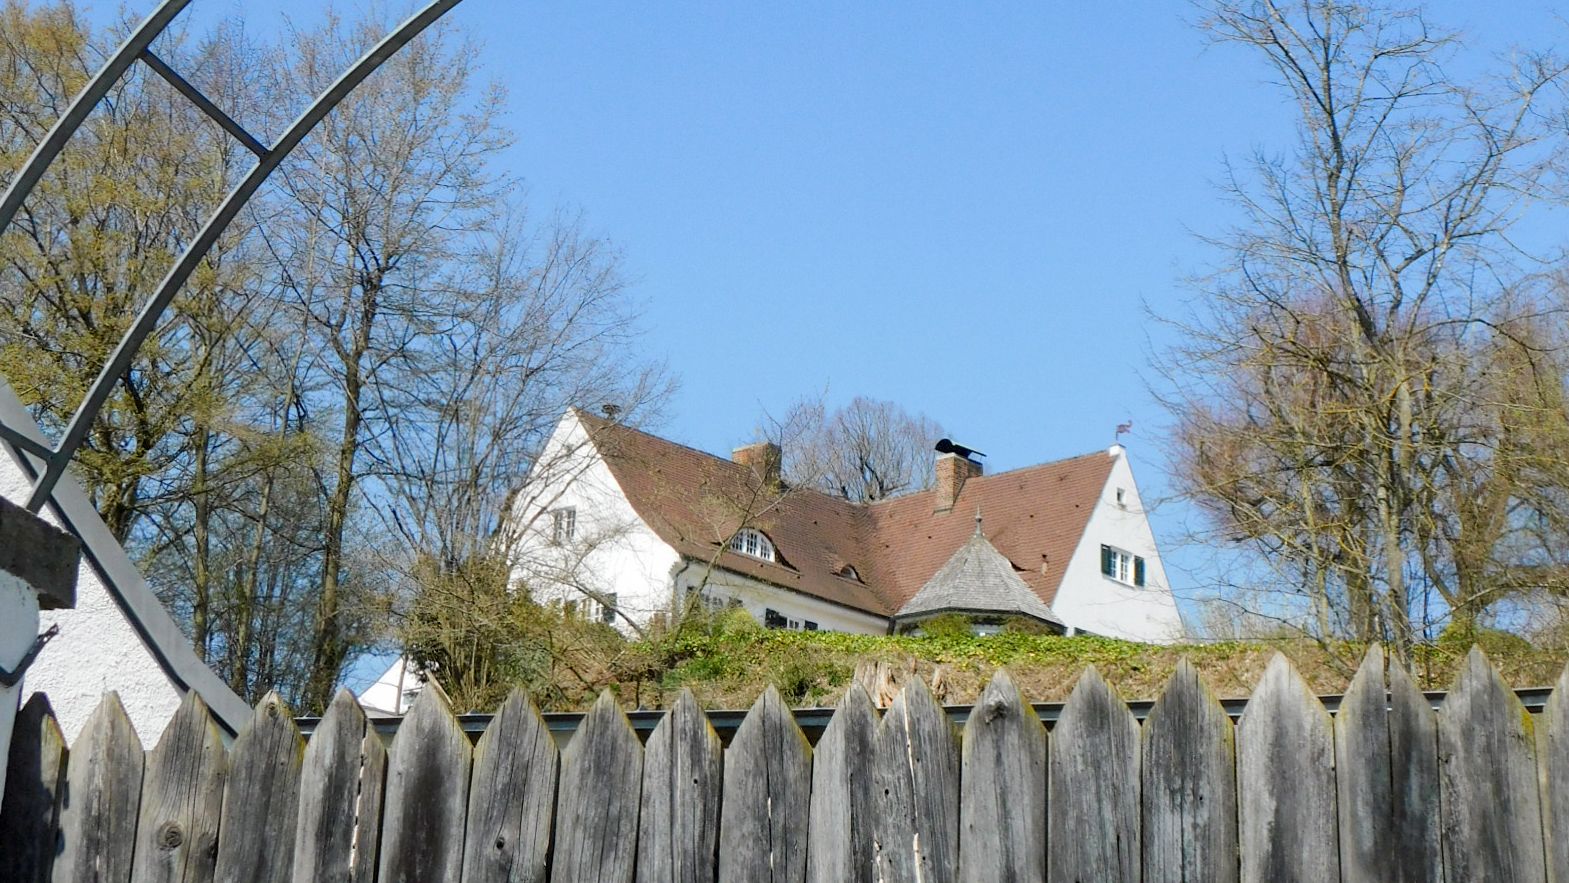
x=611 y=551
x=723 y=587
x=1088 y=600
x=97 y=649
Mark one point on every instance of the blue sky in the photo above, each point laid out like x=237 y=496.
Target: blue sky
x=965 y=212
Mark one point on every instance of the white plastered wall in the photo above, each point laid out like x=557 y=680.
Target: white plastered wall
x=613 y=549
x=757 y=597
x=1089 y=600
x=96 y=651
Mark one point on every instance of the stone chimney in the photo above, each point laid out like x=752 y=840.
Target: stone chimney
x=764 y=458
x=952 y=472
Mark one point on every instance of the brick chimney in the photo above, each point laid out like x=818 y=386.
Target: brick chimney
x=952 y=472
x=764 y=459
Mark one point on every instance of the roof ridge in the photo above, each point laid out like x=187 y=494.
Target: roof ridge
x=869 y=504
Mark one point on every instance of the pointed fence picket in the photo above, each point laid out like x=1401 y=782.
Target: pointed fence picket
x=30 y=808
x=1286 y=782
x=342 y=780
x=1386 y=790
x=512 y=798
x=844 y=795
x=182 y=799
x=767 y=793
x=1492 y=815
x=261 y=799
x=103 y=793
x=1094 y=794
x=683 y=771
x=1002 y=804
x=1386 y=754
x=427 y=794
x=597 y=809
x=917 y=770
x=1189 y=792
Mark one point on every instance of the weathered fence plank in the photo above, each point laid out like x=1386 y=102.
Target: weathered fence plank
x=917 y=770
x=261 y=800
x=1190 y=785
x=427 y=794
x=683 y=770
x=767 y=797
x=30 y=809
x=1492 y=816
x=1386 y=791
x=1094 y=787
x=103 y=792
x=1002 y=813
x=1286 y=776
x=1386 y=754
x=182 y=799
x=1554 y=742
x=511 y=798
x=844 y=795
x=596 y=837
x=341 y=786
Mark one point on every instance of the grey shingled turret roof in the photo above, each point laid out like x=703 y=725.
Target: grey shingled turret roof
x=977 y=579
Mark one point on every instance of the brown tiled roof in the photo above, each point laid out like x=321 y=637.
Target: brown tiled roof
x=694 y=500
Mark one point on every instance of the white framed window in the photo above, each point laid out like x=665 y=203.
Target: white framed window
x=563 y=525
x=752 y=543
x=1124 y=567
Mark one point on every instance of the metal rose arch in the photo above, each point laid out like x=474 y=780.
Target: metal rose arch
x=24 y=434
x=43 y=463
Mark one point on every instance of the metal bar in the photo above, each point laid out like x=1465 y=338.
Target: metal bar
x=82 y=105
x=141 y=608
x=120 y=361
x=23 y=442
x=562 y=724
x=204 y=103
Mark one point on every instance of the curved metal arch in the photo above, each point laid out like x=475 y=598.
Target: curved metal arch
x=56 y=460
x=83 y=104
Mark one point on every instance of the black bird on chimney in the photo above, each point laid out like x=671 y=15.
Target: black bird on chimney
x=949 y=446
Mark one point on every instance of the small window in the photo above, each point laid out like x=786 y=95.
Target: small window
x=714 y=602
x=1122 y=566
x=607 y=608
x=1122 y=498
x=810 y=626
x=849 y=572
x=773 y=619
x=752 y=543
x=563 y=525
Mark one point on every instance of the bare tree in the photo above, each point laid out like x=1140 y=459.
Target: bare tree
x=1336 y=393
x=864 y=451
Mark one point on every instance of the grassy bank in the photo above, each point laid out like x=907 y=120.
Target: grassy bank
x=727 y=665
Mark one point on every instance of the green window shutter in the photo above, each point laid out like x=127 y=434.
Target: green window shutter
x=1105 y=560
x=1138 y=571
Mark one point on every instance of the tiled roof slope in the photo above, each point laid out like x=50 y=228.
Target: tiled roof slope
x=977 y=578
x=694 y=500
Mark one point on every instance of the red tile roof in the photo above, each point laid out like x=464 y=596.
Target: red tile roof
x=694 y=501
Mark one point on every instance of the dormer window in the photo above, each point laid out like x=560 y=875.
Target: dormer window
x=849 y=572
x=753 y=544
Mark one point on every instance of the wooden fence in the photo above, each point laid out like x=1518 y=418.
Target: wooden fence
x=1386 y=790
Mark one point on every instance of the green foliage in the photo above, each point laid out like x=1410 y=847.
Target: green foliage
x=948 y=625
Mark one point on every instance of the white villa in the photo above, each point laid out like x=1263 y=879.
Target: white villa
x=624 y=526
